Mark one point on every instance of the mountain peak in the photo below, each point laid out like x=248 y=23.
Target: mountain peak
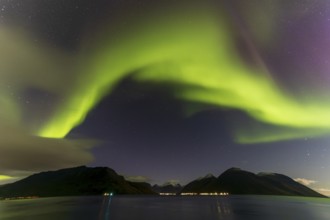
x=266 y=174
x=233 y=169
x=238 y=181
x=74 y=181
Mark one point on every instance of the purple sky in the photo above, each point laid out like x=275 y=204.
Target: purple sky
x=142 y=127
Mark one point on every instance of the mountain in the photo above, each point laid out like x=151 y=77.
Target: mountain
x=96 y=181
x=204 y=184
x=237 y=181
x=167 y=188
x=72 y=182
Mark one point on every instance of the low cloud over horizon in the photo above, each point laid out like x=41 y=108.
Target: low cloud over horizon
x=305 y=182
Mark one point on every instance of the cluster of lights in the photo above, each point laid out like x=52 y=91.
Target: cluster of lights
x=214 y=194
x=108 y=194
x=189 y=194
x=205 y=194
x=167 y=194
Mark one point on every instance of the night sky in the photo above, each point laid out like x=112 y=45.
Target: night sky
x=166 y=91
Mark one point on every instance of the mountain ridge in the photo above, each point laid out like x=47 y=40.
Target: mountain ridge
x=74 y=181
x=82 y=181
x=238 y=181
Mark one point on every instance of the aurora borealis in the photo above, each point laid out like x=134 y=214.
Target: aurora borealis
x=81 y=82
x=193 y=50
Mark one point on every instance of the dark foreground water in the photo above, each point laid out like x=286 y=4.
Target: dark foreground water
x=167 y=208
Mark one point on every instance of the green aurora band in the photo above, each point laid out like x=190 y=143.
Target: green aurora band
x=197 y=51
x=5 y=177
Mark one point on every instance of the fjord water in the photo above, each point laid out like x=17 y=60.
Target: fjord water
x=165 y=208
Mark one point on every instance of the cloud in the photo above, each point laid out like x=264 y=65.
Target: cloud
x=22 y=153
x=42 y=69
x=305 y=182
x=323 y=191
x=137 y=179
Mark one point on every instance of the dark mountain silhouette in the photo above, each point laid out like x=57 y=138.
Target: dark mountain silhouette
x=96 y=181
x=207 y=183
x=237 y=181
x=72 y=182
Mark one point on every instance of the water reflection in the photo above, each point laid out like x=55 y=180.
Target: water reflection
x=165 y=208
x=105 y=207
x=223 y=208
x=101 y=213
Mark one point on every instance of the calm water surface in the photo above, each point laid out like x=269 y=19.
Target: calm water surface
x=169 y=208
